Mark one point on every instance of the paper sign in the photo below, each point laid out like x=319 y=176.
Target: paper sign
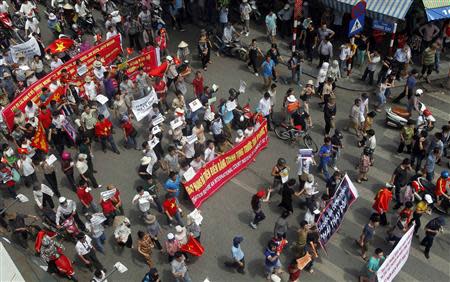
x=305 y=153
x=231 y=105
x=189 y=174
x=51 y=159
x=196 y=216
x=156 y=129
x=174 y=124
x=46 y=190
x=284 y=175
x=209 y=116
x=102 y=99
x=149 y=169
x=242 y=86
x=152 y=143
x=108 y=194
x=303 y=261
x=212 y=100
x=191 y=139
x=195 y=105
x=97 y=218
x=157 y=120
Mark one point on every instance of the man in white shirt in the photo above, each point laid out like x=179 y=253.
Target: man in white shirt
x=43 y=198
x=344 y=55
x=4 y=7
x=142 y=199
x=265 y=108
x=210 y=152
x=27 y=8
x=31 y=109
x=85 y=172
x=32 y=26
x=56 y=62
x=245 y=11
x=97 y=231
x=66 y=209
x=111 y=32
x=90 y=88
x=373 y=59
x=86 y=252
x=197 y=163
x=228 y=33
x=81 y=9
x=27 y=167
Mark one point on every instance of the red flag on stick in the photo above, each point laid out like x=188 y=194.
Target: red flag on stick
x=193 y=247
x=158 y=71
x=40 y=140
x=60 y=45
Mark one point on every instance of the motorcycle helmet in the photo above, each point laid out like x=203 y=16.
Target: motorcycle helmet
x=419 y=92
x=281 y=162
x=428 y=199
x=65 y=156
x=444 y=174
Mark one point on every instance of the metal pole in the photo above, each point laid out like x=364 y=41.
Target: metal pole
x=391 y=44
x=8 y=206
x=108 y=275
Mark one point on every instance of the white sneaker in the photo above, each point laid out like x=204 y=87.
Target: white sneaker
x=336 y=168
x=257 y=74
x=252 y=225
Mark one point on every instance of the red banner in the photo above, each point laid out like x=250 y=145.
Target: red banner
x=147 y=61
x=298 y=9
x=108 y=50
x=219 y=171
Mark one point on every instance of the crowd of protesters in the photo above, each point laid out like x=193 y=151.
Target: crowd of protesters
x=168 y=152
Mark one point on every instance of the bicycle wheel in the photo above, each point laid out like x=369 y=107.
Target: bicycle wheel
x=310 y=144
x=282 y=133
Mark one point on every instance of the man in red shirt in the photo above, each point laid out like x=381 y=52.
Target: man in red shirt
x=103 y=132
x=85 y=197
x=441 y=188
x=45 y=117
x=198 y=84
x=171 y=210
x=161 y=90
x=381 y=204
x=109 y=210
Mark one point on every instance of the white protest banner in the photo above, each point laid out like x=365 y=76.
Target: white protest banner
x=141 y=107
x=397 y=258
x=28 y=48
x=108 y=194
x=51 y=159
x=97 y=218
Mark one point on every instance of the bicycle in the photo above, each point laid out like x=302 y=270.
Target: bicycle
x=286 y=132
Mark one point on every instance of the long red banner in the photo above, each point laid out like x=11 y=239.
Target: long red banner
x=108 y=50
x=147 y=61
x=219 y=171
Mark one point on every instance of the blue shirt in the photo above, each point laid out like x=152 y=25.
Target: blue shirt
x=267 y=68
x=430 y=165
x=173 y=185
x=223 y=15
x=411 y=82
x=237 y=253
x=268 y=253
x=227 y=115
x=325 y=152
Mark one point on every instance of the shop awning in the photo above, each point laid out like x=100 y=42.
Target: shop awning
x=376 y=9
x=437 y=9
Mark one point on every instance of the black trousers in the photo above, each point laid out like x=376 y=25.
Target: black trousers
x=428 y=242
x=328 y=125
x=51 y=179
x=128 y=243
x=134 y=41
x=416 y=219
x=402 y=145
x=259 y=216
x=369 y=73
x=323 y=58
x=89 y=175
x=47 y=201
x=71 y=180
x=92 y=257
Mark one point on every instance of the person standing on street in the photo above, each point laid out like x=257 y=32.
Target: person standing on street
x=399 y=179
x=245 y=10
x=66 y=209
x=276 y=173
x=179 y=268
x=103 y=131
x=97 y=231
x=260 y=197
x=86 y=198
x=325 y=50
x=428 y=61
x=285 y=16
x=265 y=108
x=410 y=87
x=372 y=266
x=368 y=234
x=406 y=137
x=329 y=114
x=381 y=204
x=86 y=252
x=325 y=157
x=271 y=25
x=145 y=246
x=253 y=53
x=268 y=67
x=422 y=207
x=432 y=229
x=238 y=255
x=272 y=262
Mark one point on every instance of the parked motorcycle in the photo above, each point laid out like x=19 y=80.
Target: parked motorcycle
x=70 y=227
x=63 y=264
x=398 y=116
x=9 y=30
x=234 y=49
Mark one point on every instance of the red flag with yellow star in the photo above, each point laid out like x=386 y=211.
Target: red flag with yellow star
x=193 y=247
x=40 y=139
x=59 y=45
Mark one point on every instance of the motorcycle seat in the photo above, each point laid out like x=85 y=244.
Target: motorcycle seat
x=402 y=112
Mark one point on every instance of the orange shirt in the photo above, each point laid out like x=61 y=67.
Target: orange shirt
x=441 y=186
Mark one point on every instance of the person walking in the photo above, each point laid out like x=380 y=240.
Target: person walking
x=84 y=171
x=245 y=10
x=354 y=117
x=325 y=50
x=277 y=171
x=287 y=191
x=103 y=130
x=432 y=229
x=329 y=114
x=373 y=58
x=153 y=229
x=406 y=137
x=179 y=268
x=122 y=231
x=87 y=253
x=265 y=108
x=271 y=26
x=50 y=175
x=257 y=199
x=372 y=266
x=253 y=53
x=238 y=255
x=272 y=262
x=422 y=207
x=367 y=234
x=66 y=209
x=430 y=164
x=43 y=198
x=428 y=62
x=145 y=246
x=410 y=87
x=325 y=157
x=382 y=202
x=86 y=198
x=268 y=67
x=281 y=225
x=363 y=166
x=399 y=179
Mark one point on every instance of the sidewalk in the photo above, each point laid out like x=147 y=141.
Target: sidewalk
x=354 y=82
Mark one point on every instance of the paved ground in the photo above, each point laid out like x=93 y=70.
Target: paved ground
x=228 y=213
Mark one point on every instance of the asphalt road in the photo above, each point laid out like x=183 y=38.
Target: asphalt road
x=228 y=212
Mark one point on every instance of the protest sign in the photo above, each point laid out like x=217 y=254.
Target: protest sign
x=214 y=174
x=141 y=107
x=28 y=49
x=47 y=190
x=397 y=258
x=108 y=194
x=196 y=216
x=195 y=105
x=333 y=214
x=98 y=218
x=108 y=50
x=51 y=159
x=146 y=61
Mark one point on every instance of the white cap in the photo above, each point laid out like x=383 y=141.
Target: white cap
x=428 y=199
x=62 y=200
x=178 y=229
x=291 y=98
x=169 y=58
x=170 y=236
x=419 y=92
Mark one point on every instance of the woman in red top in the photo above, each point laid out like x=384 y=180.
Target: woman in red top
x=109 y=210
x=129 y=132
x=198 y=84
x=161 y=91
x=116 y=200
x=161 y=41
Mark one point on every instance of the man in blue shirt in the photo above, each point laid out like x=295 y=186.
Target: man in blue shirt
x=325 y=157
x=172 y=184
x=409 y=87
x=272 y=263
x=238 y=255
x=267 y=71
x=430 y=164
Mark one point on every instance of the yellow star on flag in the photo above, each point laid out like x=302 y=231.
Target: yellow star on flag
x=60 y=47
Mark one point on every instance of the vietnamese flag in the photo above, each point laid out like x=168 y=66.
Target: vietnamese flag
x=382 y=200
x=60 y=45
x=159 y=71
x=193 y=247
x=40 y=139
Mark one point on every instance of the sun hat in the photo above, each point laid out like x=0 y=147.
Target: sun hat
x=149 y=218
x=183 y=44
x=97 y=64
x=291 y=99
x=51 y=17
